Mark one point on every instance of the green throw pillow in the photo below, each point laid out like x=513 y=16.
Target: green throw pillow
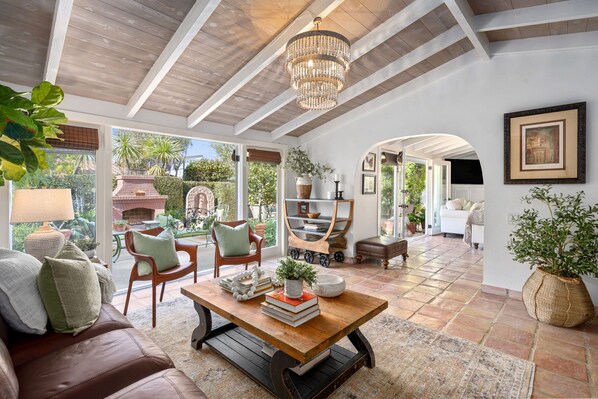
x=232 y=241
x=70 y=290
x=160 y=247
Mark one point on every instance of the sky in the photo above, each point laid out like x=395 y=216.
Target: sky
x=200 y=147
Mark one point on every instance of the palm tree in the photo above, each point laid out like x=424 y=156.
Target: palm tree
x=126 y=148
x=163 y=152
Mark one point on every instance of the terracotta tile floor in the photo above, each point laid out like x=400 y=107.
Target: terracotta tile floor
x=439 y=287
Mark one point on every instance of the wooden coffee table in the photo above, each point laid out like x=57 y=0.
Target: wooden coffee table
x=241 y=341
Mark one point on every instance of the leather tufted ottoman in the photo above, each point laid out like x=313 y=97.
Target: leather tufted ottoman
x=383 y=248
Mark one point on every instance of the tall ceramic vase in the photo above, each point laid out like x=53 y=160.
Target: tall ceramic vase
x=293 y=288
x=304 y=187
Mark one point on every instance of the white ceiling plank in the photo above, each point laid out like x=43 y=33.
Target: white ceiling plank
x=264 y=58
x=544 y=14
x=437 y=143
x=374 y=38
x=184 y=35
x=60 y=23
x=465 y=17
x=409 y=60
x=572 y=41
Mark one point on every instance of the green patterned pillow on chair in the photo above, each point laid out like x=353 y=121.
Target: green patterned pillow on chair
x=232 y=241
x=160 y=247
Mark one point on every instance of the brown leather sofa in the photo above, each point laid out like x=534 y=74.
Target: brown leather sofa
x=109 y=359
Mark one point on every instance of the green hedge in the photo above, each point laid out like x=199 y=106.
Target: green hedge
x=225 y=193
x=212 y=170
x=173 y=188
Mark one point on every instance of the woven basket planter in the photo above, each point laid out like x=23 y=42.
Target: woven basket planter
x=560 y=301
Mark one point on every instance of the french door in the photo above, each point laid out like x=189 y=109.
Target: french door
x=439 y=188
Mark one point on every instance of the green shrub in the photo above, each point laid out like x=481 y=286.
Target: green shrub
x=270 y=235
x=210 y=170
x=19 y=232
x=173 y=188
x=225 y=193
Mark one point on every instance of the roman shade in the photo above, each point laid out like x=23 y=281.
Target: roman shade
x=77 y=138
x=255 y=155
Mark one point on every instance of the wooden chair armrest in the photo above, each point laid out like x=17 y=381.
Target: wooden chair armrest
x=258 y=241
x=191 y=249
x=149 y=259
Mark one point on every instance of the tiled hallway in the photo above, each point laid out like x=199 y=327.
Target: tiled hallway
x=439 y=287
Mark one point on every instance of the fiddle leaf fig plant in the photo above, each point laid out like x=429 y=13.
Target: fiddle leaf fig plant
x=25 y=124
x=565 y=243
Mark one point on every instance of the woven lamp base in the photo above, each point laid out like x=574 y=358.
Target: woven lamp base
x=559 y=301
x=44 y=242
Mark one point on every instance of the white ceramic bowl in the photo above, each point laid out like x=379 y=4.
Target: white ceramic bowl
x=328 y=285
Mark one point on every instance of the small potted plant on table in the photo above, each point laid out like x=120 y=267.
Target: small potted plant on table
x=119 y=225
x=294 y=273
x=563 y=246
x=87 y=245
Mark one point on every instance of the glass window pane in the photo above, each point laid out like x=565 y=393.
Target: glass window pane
x=72 y=169
x=262 y=183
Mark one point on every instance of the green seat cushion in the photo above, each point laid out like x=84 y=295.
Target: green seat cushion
x=70 y=290
x=232 y=241
x=160 y=247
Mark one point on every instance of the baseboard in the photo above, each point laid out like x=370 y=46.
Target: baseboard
x=512 y=294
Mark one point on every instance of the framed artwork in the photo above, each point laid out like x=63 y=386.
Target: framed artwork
x=302 y=208
x=369 y=163
x=546 y=145
x=368 y=184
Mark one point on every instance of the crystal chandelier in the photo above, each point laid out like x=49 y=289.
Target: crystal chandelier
x=318 y=61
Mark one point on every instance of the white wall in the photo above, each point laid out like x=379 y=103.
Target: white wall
x=470 y=103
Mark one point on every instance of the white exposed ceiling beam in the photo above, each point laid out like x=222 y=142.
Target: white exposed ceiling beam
x=572 y=41
x=374 y=38
x=184 y=35
x=409 y=60
x=457 y=150
x=544 y=14
x=439 y=141
x=454 y=143
x=404 y=91
x=465 y=17
x=264 y=58
x=463 y=155
x=414 y=140
x=60 y=23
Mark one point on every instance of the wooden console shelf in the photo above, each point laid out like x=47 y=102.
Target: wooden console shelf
x=325 y=242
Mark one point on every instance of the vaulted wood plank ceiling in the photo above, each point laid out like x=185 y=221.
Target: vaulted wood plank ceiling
x=112 y=46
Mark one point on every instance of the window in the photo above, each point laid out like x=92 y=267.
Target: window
x=68 y=168
x=262 y=193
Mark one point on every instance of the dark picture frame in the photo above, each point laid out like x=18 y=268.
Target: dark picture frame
x=369 y=162
x=368 y=184
x=302 y=208
x=546 y=145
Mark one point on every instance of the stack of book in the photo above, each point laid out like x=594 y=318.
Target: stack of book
x=291 y=311
x=264 y=285
x=315 y=227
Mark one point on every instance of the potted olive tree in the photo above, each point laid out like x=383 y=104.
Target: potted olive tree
x=299 y=163
x=294 y=274
x=563 y=246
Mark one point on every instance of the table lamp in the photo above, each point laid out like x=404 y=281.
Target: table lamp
x=42 y=205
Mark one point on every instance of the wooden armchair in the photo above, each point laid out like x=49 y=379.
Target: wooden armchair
x=237 y=260
x=159 y=277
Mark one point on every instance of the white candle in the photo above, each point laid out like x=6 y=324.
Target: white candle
x=340 y=187
x=336 y=178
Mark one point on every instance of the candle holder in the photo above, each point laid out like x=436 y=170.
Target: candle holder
x=338 y=195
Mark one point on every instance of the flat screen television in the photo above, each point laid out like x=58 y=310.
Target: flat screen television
x=466 y=171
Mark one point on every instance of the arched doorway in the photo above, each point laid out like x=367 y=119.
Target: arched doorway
x=425 y=185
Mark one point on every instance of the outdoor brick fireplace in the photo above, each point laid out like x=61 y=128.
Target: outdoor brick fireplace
x=136 y=200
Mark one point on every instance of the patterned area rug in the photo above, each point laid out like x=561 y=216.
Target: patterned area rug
x=411 y=361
